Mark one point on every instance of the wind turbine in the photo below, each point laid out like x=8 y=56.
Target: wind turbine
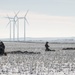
x=25 y=20
x=10 y=19
x=17 y=21
x=14 y=22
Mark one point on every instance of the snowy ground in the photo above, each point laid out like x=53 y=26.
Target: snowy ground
x=60 y=62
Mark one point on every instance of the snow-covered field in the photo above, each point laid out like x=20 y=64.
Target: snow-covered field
x=60 y=62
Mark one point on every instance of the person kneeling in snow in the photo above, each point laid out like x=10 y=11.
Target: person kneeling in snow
x=47 y=47
x=2 y=48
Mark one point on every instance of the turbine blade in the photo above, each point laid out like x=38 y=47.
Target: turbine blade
x=7 y=24
x=8 y=17
x=26 y=13
x=16 y=13
x=21 y=17
x=27 y=21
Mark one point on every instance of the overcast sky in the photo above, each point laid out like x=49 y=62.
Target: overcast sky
x=47 y=18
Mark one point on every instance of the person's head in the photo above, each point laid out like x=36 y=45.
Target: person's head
x=1 y=41
x=46 y=42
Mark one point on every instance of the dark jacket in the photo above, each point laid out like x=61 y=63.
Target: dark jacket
x=47 y=46
x=2 y=48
